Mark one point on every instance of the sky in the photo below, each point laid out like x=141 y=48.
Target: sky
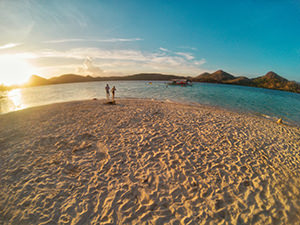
x=117 y=37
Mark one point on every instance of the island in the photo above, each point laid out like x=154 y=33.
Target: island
x=270 y=80
x=74 y=78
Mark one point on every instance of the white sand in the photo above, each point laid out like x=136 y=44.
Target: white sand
x=146 y=162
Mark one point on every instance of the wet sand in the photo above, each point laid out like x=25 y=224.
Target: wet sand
x=146 y=162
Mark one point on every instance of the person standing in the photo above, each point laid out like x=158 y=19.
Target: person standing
x=113 y=90
x=107 y=91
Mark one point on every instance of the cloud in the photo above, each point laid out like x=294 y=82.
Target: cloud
x=63 y=41
x=9 y=45
x=119 y=61
x=200 y=62
x=88 y=68
x=128 y=55
x=120 y=40
x=21 y=55
x=167 y=60
x=95 y=53
x=93 y=40
x=187 y=55
x=189 y=48
x=163 y=49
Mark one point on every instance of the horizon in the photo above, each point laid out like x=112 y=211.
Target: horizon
x=118 y=38
x=125 y=75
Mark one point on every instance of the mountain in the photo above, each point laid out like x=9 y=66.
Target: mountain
x=240 y=81
x=216 y=77
x=37 y=81
x=221 y=75
x=3 y=88
x=151 y=76
x=271 y=80
x=70 y=78
x=274 y=81
x=74 y=78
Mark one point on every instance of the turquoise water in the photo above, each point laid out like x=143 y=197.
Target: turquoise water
x=265 y=102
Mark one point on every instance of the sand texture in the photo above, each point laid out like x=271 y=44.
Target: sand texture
x=146 y=162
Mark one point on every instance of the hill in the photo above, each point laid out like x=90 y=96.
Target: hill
x=271 y=81
x=74 y=78
x=274 y=81
x=37 y=81
x=245 y=81
x=216 y=77
x=151 y=76
x=70 y=78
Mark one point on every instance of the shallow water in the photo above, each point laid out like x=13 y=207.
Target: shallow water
x=264 y=102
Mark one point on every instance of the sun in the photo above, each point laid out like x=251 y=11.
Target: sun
x=14 y=70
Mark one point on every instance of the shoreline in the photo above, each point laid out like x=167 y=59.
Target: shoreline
x=145 y=161
x=188 y=103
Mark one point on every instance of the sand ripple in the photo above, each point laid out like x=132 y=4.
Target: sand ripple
x=146 y=162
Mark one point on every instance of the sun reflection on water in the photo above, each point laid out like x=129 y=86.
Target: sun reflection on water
x=15 y=98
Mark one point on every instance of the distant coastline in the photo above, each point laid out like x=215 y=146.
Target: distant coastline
x=270 y=81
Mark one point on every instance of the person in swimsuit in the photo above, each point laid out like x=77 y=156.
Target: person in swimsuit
x=113 y=92
x=107 y=91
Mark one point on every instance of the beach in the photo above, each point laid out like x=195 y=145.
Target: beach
x=146 y=162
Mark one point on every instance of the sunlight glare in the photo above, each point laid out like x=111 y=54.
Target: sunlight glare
x=14 y=70
x=15 y=98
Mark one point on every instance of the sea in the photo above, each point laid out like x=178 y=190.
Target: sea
x=271 y=104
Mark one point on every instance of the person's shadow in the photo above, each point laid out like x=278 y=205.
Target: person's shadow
x=110 y=102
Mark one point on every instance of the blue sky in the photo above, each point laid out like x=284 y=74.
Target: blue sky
x=109 y=37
